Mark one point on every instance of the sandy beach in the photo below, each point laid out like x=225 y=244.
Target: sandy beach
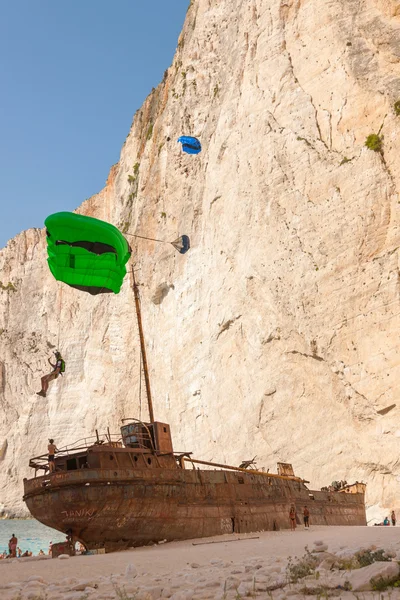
x=226 y=568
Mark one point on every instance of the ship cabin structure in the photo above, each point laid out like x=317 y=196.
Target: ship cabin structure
x=139 y=446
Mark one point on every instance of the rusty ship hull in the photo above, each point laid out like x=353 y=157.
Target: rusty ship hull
x=115 y=508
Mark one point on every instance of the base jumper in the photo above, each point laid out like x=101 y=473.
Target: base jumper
x=58 y=367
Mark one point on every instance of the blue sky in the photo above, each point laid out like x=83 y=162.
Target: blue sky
x=72 y=75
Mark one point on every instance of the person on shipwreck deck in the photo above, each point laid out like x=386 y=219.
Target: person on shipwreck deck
x=58 y=367
x=52 y=449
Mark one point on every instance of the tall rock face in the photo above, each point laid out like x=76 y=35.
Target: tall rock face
x=276 y=336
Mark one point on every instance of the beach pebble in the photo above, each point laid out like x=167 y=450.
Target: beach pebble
x=84 y=584
x=231 y=583
x=320 y=548
x=264 y=572
x=271 y=570
x=130 y=571
x=237 y=570
x=344 y=554
x=320 y=557
x=67 y=581
x=34 y=584
x=72 y=595
x=318 y=543
x=175 y=585
x=195 y=565
x=63 y=556
x=247 y=577
x=244 y=589
x=154 y=591
x=278 y=582
x=260 y=586
x=325 y=565
x=360 y=579
x=209 y=584
x=11 y=585
x=216 y=561
x=37 y=578
x=183 y=595
x=137 y=594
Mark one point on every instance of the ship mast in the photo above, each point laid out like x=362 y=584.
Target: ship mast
x=142 y=346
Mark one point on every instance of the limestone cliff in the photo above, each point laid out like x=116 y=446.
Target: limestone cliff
x=277 y=334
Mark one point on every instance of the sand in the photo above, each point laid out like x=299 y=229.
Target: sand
x=182 y=570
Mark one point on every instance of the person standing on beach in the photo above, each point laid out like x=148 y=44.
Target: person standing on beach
x=393 y=518
x=12 y=545
x=306 y=516
x=292 y=518
x=52 y=449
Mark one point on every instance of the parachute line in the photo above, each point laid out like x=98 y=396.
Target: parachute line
x=182 y=243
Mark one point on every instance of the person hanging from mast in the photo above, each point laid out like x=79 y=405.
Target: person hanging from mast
x=58 y=367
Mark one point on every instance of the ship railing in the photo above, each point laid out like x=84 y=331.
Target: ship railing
x=93 y=440
x=80 y=477
x=110 y=439
x=185 y=457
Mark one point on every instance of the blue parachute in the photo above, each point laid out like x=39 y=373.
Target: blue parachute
x=182 y=244
x=190 y=145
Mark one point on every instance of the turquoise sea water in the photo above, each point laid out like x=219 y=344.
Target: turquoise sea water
x=31 y=535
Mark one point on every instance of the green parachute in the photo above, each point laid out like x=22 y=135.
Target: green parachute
x=86 y=253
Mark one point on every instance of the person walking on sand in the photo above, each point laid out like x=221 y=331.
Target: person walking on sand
x=12 y=545
x=58 y=367
x=393 y=518
x=52 y=449
x=306 y=516
x=292 y=517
